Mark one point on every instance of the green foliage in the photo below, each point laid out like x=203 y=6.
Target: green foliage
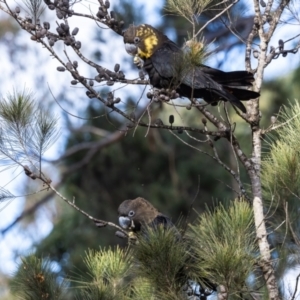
x=162 y=259
x=187 y=8
x=142 y=289
x=223 y=241
x=111 y=265
x=219 y=248
x=26 y=131
x=281 y=173
x=155 y=268
x=35 y=8
x=35 y=280
x=124 y=274
x=195 y=52
x=109 y=271
x=17 y=110
x=44 y=133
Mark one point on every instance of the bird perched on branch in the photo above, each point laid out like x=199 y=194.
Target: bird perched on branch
x=133 y=214
x=169 y=67
x=138 y=215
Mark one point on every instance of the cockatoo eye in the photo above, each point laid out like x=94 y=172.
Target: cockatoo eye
x=131 y=213
x=136 y=40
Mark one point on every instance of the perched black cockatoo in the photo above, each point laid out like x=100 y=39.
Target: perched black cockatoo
x=167 y=68
x=133 y=214
x=139 y=214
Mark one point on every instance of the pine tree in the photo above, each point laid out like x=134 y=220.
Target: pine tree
x=228 y=244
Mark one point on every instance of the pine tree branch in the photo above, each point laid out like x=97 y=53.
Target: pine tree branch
x=47 y=182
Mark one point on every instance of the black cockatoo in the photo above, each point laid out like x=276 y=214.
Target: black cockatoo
x=138 y=215
x=167 y=68
x=135 y=213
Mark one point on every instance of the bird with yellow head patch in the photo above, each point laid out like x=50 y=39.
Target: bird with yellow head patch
x=164 y=62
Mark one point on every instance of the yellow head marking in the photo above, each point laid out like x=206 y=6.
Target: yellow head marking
x=148 y=41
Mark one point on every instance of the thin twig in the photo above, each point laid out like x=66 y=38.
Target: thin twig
x=27 y=212
x=47 y=182
x=97 y=221
x=216 y=17
x=296 y=287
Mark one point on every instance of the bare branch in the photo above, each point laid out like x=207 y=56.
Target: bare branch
x=47 y=182
x=215 y=17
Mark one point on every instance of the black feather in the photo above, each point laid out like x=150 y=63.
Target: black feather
x=167 y=68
